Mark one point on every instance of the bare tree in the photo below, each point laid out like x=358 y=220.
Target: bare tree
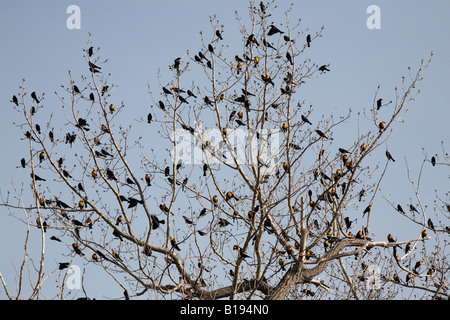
x=240 y=190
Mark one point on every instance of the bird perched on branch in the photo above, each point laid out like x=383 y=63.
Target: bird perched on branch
x=308 y=40
x=251 y=39
x=266 y=78
x=379 y=101
x=241 y=252
x=389 y=156
x=321 y=134
x=77 y=249
x=367 y=210
x=174 y=244
x=304 y=119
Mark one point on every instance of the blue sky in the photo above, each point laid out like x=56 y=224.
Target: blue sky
x=139 y=37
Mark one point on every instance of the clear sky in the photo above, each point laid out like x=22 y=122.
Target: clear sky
x=138 y=37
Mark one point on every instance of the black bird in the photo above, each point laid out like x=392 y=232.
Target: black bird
x=430 y=224
x=273 y=30
x=267 y=44
x=389 y=156
x=36 y=177
x=176 y=63
x=75 y=89
x=149 y=118
x=412 y=208
x=166 y=91
x=23 y=162
x=247 y=93
x=241 y=99
x=321 y=134
x=205 y=168
x=93 y=68
x=55 y=239
x=190 y=94
x=433 y=161
x=80 y=187
x=306 y=120
x=239 y=122
x=342 y=150
x=161 y=105
x=61 y=204
x=219 y=35
x=167 y=171
x=117 y=234
x=50 y=135
x=106 y=153
x=29 y=136
x=77 y=223
x=91 y=51
x=14 y=99
x=187 y=220
x=91 y=97
x=210 y=48
x=308 y=40
x=156 y=222
x=132 y=202
x=287 y=39
x=223 y=223
x=400 y=209
x=66 y=174
x=183 y=100
x=324 y=68
x=232 y=114
x=289 y=58
x=348 y=223
x=63 y=265
x=82 y=124
x=207 y=100
x=202 y=213
x=104 y=90
x=201 y=55
x=33 y=95
x=201 y=233
x=379 y=101
x=262 y=7
x=110 y=175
